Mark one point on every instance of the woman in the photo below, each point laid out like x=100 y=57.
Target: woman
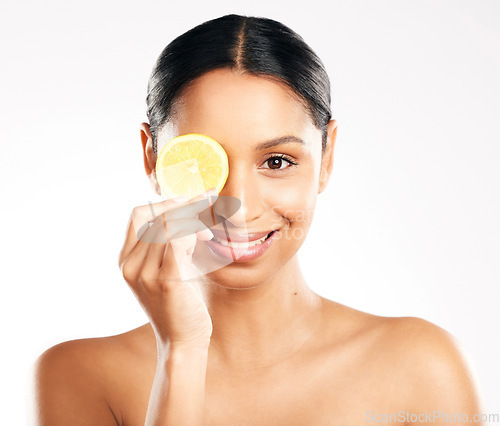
x=247 y=343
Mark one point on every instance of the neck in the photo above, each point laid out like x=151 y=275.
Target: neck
x=264 y=325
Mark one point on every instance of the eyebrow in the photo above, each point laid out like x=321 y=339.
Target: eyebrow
x=279 y=141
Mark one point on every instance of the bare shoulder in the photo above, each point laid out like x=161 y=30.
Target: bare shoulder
x=406 y=337
x=438 y=367
x=431 y=350
x=424 y=362
x=76 y=379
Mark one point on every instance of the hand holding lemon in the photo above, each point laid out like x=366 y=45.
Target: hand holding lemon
x=187 y=166
x=155 y=270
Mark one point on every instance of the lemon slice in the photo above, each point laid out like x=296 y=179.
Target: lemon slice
x=191 y=164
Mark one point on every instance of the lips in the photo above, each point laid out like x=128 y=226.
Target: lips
x=222 y=235
x=241 y=251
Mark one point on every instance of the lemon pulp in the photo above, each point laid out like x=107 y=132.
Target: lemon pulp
x=191 y=164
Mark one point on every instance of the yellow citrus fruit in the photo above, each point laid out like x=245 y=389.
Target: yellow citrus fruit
x=191 y=164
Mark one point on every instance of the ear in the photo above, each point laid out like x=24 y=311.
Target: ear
x=149 y=156
x=327 y=159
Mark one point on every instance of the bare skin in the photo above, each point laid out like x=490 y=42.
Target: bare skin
x=273 y=352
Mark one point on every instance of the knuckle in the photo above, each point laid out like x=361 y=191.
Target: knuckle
x=145 y=279
x=135 y=213
x=155 y=283
x=128 y=271
x=167 y=280
x=166 y=285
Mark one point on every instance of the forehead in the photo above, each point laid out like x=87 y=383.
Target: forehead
x=239 y=107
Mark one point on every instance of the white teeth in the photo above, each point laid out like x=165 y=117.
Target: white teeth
x=243 y=245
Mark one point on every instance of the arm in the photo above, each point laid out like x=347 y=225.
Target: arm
x=153 y=265
x=178 y=392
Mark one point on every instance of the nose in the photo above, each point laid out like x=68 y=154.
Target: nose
x=240 y=190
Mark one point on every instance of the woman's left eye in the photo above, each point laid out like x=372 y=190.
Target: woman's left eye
x=277 y=161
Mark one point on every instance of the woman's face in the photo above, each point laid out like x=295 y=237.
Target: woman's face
x=276 y=169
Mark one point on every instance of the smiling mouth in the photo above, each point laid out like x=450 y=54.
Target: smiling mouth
x=241 y=244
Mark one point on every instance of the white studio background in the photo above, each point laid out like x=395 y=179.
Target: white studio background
x=407 y=227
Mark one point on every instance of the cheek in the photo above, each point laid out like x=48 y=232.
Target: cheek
x=295 y=201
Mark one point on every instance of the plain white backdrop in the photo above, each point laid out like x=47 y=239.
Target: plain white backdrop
x=409 y=225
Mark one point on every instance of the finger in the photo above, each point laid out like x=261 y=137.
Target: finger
x=182 y=237
x=177 y=260
x=146 y=253
x=162 y=231
x=154 y=258
x=180 y=207
x=191 y=209
x=141 y=220
x=156 y=252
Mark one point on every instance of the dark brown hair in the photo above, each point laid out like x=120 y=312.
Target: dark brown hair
x=257 y=46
